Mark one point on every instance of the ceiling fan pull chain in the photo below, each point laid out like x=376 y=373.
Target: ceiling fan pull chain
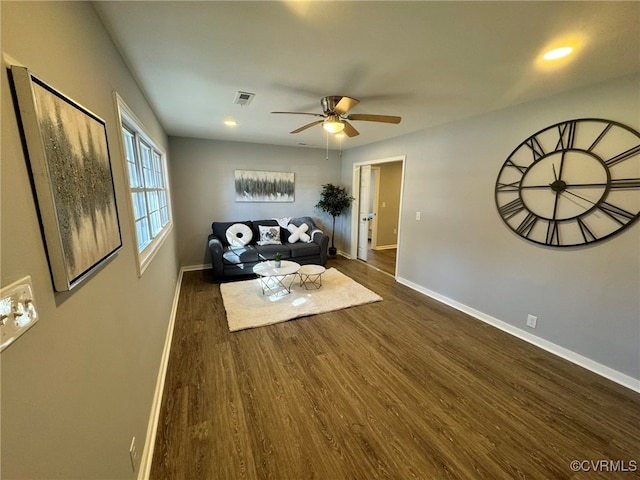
x=327 y=145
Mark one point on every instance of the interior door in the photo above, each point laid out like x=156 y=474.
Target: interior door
x=363 y=210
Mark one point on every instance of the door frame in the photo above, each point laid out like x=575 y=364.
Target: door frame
x=355 y=187
x=375 y=194
x=364 y=222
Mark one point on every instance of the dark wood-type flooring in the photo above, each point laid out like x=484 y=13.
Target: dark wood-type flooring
x=385 y=260
x=400 y=389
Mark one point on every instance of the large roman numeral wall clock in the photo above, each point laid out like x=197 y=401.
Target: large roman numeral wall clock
x=573 y=183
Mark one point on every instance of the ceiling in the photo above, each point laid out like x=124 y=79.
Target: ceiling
x=429 y=62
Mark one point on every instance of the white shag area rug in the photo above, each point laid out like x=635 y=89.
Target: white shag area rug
x=247 y=307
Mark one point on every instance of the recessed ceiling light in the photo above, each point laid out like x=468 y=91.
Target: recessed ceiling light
x=557 y=53
x=231 y=123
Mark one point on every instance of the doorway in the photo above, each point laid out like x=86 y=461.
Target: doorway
x=375 y=215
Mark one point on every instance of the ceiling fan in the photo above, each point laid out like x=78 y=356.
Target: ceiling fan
x=336 y=119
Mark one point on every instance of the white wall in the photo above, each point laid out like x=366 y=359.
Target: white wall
x=586 y=299
x=79 y=384
x=204 y=191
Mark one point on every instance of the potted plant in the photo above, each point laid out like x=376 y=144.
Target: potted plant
x=334 y=200
x=278 y=258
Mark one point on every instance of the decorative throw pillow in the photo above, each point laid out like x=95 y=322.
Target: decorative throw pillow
x=239 y=234
x=313 y=229
x=269 y=235
x=298 y=233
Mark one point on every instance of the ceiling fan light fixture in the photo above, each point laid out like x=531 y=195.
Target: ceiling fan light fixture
x=333 y=124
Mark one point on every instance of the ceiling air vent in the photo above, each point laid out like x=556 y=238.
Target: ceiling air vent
x=243 y=98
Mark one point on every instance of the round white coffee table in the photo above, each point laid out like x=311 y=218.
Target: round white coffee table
x=311 y=276
x=272 y=279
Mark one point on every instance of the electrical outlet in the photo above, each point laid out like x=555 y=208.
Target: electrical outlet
x=133 y=454
x=417 y=215
x=532 y=321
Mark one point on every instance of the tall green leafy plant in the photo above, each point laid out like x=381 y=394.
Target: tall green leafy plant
x=334 y=200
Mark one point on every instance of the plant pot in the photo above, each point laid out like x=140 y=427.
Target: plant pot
x=277 y=263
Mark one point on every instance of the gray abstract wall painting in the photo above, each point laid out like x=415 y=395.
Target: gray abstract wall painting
x=69 y=159
x=255 y=186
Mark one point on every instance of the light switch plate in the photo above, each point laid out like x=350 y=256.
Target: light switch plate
x=17 y=311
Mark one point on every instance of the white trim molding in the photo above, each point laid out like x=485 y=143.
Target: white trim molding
x=385 y=247
x=193 y=268
x=355 y=186
x=144 y=469
x=129 y=122
x=573 y=357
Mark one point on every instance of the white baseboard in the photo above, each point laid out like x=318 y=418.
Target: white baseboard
x=602 y=370
x=193 y=268
x=385 y=247
x=144 y=470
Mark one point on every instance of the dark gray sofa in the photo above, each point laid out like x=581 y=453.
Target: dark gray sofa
x=232 y=261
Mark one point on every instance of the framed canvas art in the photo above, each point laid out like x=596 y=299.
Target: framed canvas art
x=69 y=161
x=254 y=186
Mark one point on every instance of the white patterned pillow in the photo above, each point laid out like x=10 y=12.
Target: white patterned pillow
x=269 y=235
x=298 y=233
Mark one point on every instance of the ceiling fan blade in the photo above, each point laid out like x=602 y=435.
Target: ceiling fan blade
x=301 y=113
x=349 y=130
x=374 y=118
x=345 y=104
x=308 y=125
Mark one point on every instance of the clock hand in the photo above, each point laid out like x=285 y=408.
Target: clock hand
x=580 y=197
x=555 y=175
x=557 y=187
x=577 y=185
x=587 y=185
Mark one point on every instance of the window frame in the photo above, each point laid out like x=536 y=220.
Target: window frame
x=153 y=171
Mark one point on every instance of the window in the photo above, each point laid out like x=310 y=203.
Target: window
x=148 y=185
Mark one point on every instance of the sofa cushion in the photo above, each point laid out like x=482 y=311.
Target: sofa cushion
x=237 y=255
x=303 y=249
x=268 y=252
x=220 y=230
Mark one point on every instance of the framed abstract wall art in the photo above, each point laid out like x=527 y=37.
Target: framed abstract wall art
x=71 y=170
x=254 y=186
